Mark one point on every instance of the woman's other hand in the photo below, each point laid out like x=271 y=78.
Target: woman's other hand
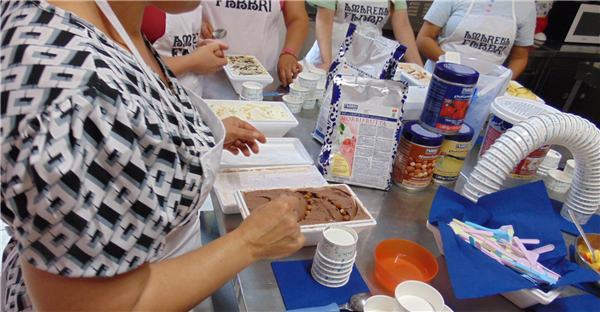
x=207 y=31
x=241 y=136
x=209 y=57
x=272 y=230
x=288 y=68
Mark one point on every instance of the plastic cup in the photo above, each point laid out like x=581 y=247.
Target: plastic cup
x=309 y=104
x=415 y=296
x=381 y=303
x=252 y=91
x=298 y=93
x=294 y=105
x=398 y=260
x=339 y=243
x=557 y=181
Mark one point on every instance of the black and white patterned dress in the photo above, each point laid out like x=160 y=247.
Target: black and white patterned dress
x=96 y=168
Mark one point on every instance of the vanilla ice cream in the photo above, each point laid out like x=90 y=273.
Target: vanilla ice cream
x=251 y=111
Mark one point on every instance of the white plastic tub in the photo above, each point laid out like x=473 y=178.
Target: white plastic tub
x=238 y=80
x=523 y=298
x=276 y=152
x=270 y=128
x=230 y=181
x=412 y=81
x=314 y=233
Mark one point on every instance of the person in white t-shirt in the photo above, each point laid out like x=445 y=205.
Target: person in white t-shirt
x=334 y=17
x=491 y=30
x=252 y=30
x=177 y=38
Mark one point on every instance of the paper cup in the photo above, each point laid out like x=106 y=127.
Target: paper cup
x=500 y=172
x=472 y=193
x=328 y=282
x=583 y=218
x=298 y=93
x=294 y=105
x=502 y=157
x=252 y=91
x=491 y=159
x=481 y=175
x=318 y=94
x=381 y=303
x=447 y=309
x=308 y=81
x=338 y=244
x=331 y=276
x=513 y=148
x=516 y=138
x=415 y=296
x=309 y=104
x=336 y=271
x=557 y=181
x=335 y=264
x=552 y=159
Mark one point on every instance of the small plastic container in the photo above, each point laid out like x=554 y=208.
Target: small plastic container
x=408 y=73
x=238 y=80
x=398 y=260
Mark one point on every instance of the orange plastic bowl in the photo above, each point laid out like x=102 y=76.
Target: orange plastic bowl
x=398 y=260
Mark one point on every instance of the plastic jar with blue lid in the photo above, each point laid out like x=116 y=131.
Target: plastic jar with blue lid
x=417 y=154
x=453 y=153
x=448 y=97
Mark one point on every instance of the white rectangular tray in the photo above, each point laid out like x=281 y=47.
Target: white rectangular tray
x=523 y=298
x=231 y=180
x=238 y=80
x=404 y=76
x=270 y=128
x=276 y=152
x=314 y=233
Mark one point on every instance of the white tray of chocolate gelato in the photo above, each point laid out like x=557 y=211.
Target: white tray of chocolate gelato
x=231 y=180
x=320 y=206
x=276 y=152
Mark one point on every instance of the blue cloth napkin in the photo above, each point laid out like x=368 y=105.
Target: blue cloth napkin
x=592 y=226
x=575 y=303
x=528 y=209
x=299 y=289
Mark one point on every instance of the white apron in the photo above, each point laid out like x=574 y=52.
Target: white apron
x=251 y=27
x=367 y=14
x=182 y=34
x=488 y=38
x=185 y=238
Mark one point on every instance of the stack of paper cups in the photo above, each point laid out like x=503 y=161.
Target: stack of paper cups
x=569 y=168
x=335 y=256
x=320 y=91
x=309 y=81
x=251 y=91
x=550 y=162
x=294 y=105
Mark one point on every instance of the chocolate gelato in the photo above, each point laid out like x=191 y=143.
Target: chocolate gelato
x=318 y=204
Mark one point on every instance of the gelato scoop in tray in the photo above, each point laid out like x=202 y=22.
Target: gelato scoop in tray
x=317 y=204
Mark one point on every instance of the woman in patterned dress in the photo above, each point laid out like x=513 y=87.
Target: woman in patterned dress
x=103 y=156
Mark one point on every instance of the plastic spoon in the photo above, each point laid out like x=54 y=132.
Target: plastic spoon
x=582 y=233
x=219 y=33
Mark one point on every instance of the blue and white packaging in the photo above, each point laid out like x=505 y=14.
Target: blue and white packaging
x=362 y=132
x=363 y=54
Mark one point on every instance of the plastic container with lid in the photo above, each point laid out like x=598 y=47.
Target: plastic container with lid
x=417 y=154
x=453 y=153
x=506 y=112
x=448 y=97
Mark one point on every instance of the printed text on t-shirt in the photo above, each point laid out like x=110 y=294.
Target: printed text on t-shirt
x=253 y=5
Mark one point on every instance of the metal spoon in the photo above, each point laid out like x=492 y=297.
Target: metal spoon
x=585 y=239
x=356 y=303
x=219 y=33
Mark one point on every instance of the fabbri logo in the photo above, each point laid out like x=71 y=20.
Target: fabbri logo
x=431 y=151
x=350 y=106
x=467 y=90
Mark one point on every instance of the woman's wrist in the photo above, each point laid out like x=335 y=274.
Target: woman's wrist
x=289 y=52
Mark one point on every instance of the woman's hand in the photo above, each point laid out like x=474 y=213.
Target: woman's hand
x=241 y=136
x=272 y=230
x=208 y=57
x=288 y=69
x=207 y=31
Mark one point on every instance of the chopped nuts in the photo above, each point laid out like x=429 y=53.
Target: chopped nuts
x=337 y=205
x=308 y=207
x=343 y=211
x=307 y=212
x=346 y=218
x=319 y=196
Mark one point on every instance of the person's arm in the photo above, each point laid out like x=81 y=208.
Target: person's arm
x=426 y=41
x=297 y=25
x=518 y=60
x=206 y=59
x=180 y=283
x=323 y=32
x=404 y=33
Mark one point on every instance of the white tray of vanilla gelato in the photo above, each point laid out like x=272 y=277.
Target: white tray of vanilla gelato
x=276 y=152
x=230 y=181
x=243 y=68
x=273 y=119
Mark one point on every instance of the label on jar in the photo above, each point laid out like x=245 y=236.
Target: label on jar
x=414 y=164
x=452 y=157
x=496 y=127
x=526 y=169
x=446 y=106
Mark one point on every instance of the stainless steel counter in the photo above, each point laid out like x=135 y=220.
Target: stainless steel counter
x=399 y=214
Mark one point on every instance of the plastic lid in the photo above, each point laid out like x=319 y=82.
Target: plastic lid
x=465 y=134
x=456 y=73
x=514 y=109
x=414 y=132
